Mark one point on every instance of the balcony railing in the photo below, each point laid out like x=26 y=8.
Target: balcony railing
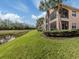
x=64 y=19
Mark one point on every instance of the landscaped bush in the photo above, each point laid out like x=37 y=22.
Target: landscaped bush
x=62 y=33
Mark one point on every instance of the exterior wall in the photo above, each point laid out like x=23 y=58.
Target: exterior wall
x=73 y=19
x=53 y=26
x=52 y=21
x=46 y=26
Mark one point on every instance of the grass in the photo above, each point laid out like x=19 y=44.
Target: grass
x=36 y=46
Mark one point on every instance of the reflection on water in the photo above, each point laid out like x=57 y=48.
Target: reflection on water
x=6 y=38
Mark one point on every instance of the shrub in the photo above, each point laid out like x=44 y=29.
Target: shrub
x=62 y=33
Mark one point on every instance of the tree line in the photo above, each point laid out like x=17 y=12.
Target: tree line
x=9 y=25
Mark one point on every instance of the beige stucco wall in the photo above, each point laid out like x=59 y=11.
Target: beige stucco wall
x=73 y=19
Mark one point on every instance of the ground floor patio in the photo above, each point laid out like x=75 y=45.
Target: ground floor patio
x=53 y=26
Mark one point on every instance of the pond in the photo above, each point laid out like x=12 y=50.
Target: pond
x=9 y=35
x=6 y=38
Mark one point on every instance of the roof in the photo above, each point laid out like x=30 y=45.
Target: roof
x=70 y=7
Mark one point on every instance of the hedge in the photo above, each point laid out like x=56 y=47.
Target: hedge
x=62 y=33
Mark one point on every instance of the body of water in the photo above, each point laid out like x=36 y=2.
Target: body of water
x=6 y=38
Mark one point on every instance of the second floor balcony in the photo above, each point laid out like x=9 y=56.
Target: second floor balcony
x=64 y=14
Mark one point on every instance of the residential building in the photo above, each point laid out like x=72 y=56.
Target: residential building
x=68 y=20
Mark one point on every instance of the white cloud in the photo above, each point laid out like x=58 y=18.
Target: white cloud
x=12 y=17
x=39 y=16
x=20 y=6
x=36 y=3
x=42 y=15
x=34 y=17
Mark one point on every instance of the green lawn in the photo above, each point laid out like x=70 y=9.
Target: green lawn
x=36 y=46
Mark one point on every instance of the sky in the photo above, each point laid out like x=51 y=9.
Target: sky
x=25 y=11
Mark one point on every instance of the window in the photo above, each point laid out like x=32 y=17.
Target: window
x=73 y=25
x=64 y=13
x=74 y=13
x=65 y=24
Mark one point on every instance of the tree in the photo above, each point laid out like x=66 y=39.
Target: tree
x=40 y=23
x=46 y=5
x=9 y=25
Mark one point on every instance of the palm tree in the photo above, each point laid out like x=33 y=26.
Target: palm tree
x=46 y=5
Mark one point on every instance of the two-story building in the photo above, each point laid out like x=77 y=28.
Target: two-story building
x=69 y=19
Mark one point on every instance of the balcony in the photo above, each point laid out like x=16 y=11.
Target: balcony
x=53 y=15
x=64 y=14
